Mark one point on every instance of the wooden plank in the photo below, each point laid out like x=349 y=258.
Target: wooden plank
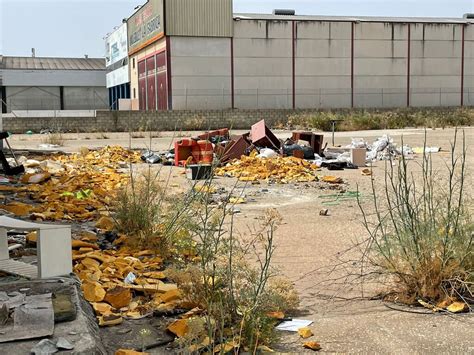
x=19 y=268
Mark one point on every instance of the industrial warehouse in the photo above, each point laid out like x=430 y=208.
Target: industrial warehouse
x=36 y=83
x=202 y=56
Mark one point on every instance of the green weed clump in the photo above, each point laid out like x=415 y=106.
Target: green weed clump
x=150 y=217
x=355 y=120
x=233 y=281
x=422 y=234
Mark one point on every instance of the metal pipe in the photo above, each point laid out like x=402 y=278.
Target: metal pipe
x=352 y=64
x=232 y=82
x=293 y=45
x=462 y=65
x=408 y=65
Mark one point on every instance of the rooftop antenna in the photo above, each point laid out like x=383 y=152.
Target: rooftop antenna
x=33 y=52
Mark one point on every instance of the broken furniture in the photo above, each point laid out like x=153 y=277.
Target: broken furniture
x=183 y=150
x=53 y=244
x=208 y=136
x=190 y=149
x=262 y=137
x=315 y=140
x=234 y=149
x=7 y=169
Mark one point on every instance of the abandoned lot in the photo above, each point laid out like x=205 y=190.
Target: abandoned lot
x=318 y=254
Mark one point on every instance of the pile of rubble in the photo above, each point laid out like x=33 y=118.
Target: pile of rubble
x=277 y=169
x=124 y=284
x=69 y=187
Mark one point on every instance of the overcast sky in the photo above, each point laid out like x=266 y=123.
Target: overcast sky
x=77 y=27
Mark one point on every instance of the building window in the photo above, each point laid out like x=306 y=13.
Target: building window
x=133 y=63
x=134 y=91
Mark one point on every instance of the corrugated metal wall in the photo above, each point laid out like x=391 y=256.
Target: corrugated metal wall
x=205 y=18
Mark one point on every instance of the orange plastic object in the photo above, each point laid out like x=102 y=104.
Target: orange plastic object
x=183 y=149
x=207 y=151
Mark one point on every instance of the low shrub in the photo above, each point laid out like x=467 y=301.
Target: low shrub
x=422 y=234
x=358 y=119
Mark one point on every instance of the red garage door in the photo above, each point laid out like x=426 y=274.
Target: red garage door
x=142 y=85
x=161 y=81
x=151 y=83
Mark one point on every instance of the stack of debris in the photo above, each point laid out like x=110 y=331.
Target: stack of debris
x=70 y=187
x=276 y=169
x=124 y=284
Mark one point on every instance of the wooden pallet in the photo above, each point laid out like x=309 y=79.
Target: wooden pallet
x=19 y=268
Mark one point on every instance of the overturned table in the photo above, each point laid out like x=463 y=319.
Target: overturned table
x=53 y=249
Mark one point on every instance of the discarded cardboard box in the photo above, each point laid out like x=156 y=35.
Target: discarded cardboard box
x=358 y=156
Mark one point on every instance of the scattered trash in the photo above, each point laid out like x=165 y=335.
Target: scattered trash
x=457 y=307
x=358 y=156
x=384 y=148
x=312 y=345
x=366 y=172
x=421 y=150
x=130 y=279
x=294 y=324
x=233 y=149
x=324 y=212
x=332 y=179
x=336 y=199
x=234 y=210
x=48 y=146
x=199 y=172
x=237 y=200
x=165 y=157
x=314 y=140
x=289 y=148
x=267 y=153
x=305 y=332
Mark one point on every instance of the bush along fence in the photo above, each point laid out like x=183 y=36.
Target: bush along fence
x=182 y=120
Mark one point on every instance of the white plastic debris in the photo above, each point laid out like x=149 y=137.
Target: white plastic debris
x=130 y=279
x=267 y=153
x=358 y=143
x=294 y=324
x=51 y=166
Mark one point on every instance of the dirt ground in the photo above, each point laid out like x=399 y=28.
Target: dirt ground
x=309 y=246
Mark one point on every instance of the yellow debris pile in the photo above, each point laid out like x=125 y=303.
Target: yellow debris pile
x=124 y=284
x=73 y=187
x=279 y=169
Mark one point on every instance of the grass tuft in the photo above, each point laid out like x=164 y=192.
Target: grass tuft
x=422 y=234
